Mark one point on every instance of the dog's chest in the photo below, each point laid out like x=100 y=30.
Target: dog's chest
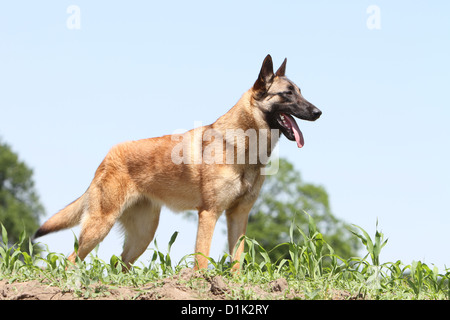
x=241 y=185
x=250 y=179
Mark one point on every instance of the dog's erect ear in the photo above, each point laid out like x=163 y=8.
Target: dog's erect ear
x=282 y=69
x=266 y=75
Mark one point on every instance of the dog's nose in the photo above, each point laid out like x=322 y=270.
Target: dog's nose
x=317 y=113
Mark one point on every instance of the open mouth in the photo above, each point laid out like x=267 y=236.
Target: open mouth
x=290 y=128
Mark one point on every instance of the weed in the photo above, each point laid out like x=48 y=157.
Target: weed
x=312 y=269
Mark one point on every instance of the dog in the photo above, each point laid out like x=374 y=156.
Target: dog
x=205 y=169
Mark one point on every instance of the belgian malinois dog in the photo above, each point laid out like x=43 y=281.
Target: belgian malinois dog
x=193 y=170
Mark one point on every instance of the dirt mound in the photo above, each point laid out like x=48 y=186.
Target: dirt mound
x=187 y=285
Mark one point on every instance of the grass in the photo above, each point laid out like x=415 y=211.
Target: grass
x=313 y=270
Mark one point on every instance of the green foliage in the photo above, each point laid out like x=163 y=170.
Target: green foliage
x=373 y=247
x=165 y=262
x=283 y=198
x=20 y=208
x=305 y=269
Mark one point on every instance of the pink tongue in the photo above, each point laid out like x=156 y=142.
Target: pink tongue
x=297 y=133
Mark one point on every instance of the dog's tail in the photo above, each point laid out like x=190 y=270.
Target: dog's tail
x=68 y=217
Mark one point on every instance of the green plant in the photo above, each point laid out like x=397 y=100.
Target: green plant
x=312 y=270
x=165 y=261
x=373 y=247
x=307 y=256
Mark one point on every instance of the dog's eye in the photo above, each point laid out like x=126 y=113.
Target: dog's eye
x=285 y=94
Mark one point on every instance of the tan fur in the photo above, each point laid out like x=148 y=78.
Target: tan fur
x=136 y=178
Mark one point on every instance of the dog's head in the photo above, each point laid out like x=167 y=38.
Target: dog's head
x=280 y=99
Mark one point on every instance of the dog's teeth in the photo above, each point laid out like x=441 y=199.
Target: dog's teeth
x=282 y=117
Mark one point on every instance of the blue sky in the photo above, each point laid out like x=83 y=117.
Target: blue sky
x=143 y=69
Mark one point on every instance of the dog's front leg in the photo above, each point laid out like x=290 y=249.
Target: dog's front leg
x=206 y=222
x=237 y=218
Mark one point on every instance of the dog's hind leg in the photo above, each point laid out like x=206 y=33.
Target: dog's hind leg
x=139 y=222
x=95 y=227
x=105 y=205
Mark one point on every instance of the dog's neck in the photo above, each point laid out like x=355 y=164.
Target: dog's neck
x=244 y=115
x=246 y=118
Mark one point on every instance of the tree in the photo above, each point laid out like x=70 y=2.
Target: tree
x=20 y=208
x=285 y=197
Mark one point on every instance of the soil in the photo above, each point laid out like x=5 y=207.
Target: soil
x=187 y=285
